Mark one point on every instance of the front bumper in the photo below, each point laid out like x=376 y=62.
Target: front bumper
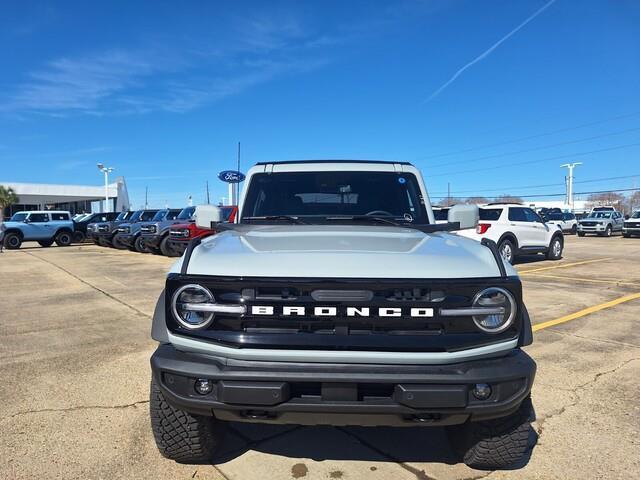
x=152 y=241
x=126 y=238
x=633 y=230
x=343 y=394
x=594 y=229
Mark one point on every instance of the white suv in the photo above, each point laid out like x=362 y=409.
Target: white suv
x=518 y=230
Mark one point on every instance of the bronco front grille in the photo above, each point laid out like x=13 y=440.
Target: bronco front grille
x=341 y=331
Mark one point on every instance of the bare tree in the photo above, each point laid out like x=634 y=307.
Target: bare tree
x=477 y=200
x=613 y=199
x=506 y=198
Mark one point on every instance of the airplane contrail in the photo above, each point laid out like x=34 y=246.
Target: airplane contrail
x=487 y=52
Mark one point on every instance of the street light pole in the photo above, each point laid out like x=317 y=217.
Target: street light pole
x=570 y=166
x=106 y=171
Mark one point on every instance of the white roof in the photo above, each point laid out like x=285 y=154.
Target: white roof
x=29 y=193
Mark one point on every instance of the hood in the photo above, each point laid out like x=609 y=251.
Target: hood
x=344 y=251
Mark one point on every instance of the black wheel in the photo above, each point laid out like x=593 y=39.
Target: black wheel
x=555 y=248
x=12 y=241
x=78 y=237
x=116 y=242
x=45 y=243
x=608 y=231
x=581 y=234
x=64 y=239
x=166 y=249
x=626 y=235
x=507 y=250
x=139 y=245
x=574 y=229
x=181 y=436
x=493 y=444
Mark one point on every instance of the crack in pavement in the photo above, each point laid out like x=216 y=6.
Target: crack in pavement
x=79 y=407
x=583 y=337
x=104 y=292
x=575 y=392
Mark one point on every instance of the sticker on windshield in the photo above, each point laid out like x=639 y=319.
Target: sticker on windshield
x=402 y=180
x=408 y=217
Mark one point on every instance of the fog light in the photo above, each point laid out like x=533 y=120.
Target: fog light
x=481 y=391
x=203 y=386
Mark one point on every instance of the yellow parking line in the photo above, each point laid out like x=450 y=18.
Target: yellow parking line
x=608 y=281
x=564 y=265
x=586 y=311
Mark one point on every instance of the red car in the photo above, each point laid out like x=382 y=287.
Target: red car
x=182 y=233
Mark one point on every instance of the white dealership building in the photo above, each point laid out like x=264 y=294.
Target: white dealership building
x=74 y=198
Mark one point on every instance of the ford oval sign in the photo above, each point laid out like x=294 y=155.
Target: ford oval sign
x=231 y=176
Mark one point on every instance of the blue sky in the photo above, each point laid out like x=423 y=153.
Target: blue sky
x=489 y=96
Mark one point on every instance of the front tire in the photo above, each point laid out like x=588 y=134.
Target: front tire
x=507 y=250
x=574 y=229
x=555 y=249
x=181 y=436
x=12 y=241
x=64 y=239
x=117 y=243
x=581 y=234
x=608 y=231
x=79 y=237
x=166 y=249
x=139 y=246
x=494 y=444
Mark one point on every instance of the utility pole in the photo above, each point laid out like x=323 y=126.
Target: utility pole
x=106 y=171
x=208 y=202
x=448 y=194
x=570 y=166
x=146 y=197
x=238 y=184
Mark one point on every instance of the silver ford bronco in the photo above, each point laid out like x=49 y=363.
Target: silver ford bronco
x=335 y=298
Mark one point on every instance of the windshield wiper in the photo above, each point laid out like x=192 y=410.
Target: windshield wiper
x=289 y=218
x=362 y=218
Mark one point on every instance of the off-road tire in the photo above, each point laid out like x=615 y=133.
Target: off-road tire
x=553 y=253
x=581 y=234
x=138 y=245
x=506 y=243
x=117 y=244
x=64 y=239
x=574 y=229
x=181 y=436
x=45 y=243
x=79 y=237
x=493 y=444
x=166 y=249
x=12 y=241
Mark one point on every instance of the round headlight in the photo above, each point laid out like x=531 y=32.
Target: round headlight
x=504 y=310
x=191 y=295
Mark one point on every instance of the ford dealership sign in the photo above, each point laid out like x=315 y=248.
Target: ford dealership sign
x=231 y=176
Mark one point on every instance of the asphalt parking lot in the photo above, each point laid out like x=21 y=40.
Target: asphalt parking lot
x=74 y=350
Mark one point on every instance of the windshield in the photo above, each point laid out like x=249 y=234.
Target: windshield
x=490 y=214
x=147 y=215
x=122 y=216
x=159 y=216
x=317 y=195
x=441 y=214
x=19 y=217
x=600 y=215
x=554 y=216
x=186 y=213
x=636 y=214
x=226 y=213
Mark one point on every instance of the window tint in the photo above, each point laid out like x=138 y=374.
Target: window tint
x=490 y=214
x=59 y=216
x=19 y=217
x=172 y=215
x=569 y=216
x=323 y=194
x=554 y=216
x=531 y=216
x=158 y=217
x=226 y=213
x=186 y=213
x=516 y=214
x=442 y=214
x=148 y=215
x=39 y=217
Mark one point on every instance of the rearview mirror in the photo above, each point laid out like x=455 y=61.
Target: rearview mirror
x=466 y=215
x=205 y=215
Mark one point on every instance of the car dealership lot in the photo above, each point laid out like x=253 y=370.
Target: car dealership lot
x=74 y=347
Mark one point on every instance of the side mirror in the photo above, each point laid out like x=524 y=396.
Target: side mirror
x=466 y=215
x=26 y=220
x=626 y=217
x=205 y=215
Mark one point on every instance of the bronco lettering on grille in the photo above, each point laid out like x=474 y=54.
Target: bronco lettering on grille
x=287 y=311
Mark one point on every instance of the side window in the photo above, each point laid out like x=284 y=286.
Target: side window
x=39 y=217
x=531 y=216
x=516 y=214
x=59 y=216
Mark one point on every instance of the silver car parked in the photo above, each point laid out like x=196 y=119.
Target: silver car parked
x=602 y=223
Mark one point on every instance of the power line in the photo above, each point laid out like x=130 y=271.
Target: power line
x=529 y=137
x=535 y=149
x=528 y=162
x=562 y=194
x=502 y=189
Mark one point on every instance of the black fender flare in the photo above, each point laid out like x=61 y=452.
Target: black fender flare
x=14 y=230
